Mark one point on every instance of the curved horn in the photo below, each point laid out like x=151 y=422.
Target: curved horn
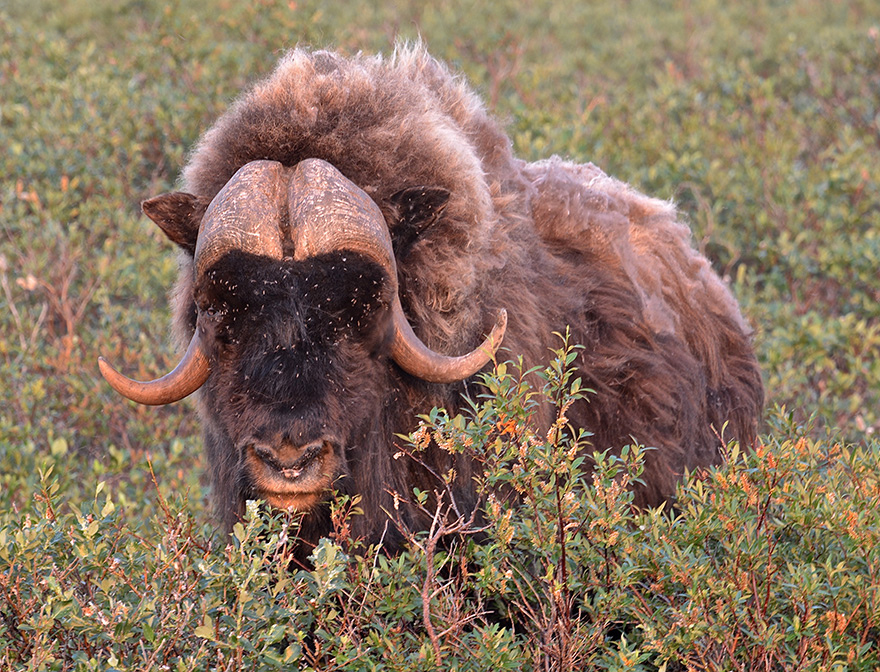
x=320 y=194
x=244 y=215
x=188 y=376
x=416 y=358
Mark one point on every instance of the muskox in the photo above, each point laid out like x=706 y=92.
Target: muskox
x=356 y=240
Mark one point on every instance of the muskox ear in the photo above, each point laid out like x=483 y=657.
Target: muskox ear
x=178 y=214
x=416 y=209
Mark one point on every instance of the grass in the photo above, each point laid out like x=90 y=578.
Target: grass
x=762 y=121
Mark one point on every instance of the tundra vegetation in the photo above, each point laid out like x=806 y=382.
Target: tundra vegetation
x=762 y=122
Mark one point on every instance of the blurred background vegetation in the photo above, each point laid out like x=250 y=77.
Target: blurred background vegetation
x=761 y=120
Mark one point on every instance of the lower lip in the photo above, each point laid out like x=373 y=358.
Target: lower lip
x=299 y=502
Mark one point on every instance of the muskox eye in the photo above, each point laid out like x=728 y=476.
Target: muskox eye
x=214 y=312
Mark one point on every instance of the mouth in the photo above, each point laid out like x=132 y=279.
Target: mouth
x=297 y=485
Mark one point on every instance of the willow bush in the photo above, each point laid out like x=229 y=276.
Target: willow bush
x=767 y=562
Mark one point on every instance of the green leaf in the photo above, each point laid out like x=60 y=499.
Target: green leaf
x=58 y=447
x=206 y=629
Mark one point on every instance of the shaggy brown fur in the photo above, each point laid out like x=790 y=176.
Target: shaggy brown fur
x=554 y=243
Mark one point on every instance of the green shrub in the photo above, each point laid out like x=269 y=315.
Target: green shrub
x=768 y=562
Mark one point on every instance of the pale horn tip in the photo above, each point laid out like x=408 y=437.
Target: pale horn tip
x=107 y=370
x=497 y=335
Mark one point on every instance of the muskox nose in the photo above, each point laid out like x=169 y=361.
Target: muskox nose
x=291 y=460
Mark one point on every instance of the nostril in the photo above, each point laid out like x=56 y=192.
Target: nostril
x=309 y=453
x=267 y=455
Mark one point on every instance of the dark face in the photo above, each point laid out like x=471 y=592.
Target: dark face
x=298 y=353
